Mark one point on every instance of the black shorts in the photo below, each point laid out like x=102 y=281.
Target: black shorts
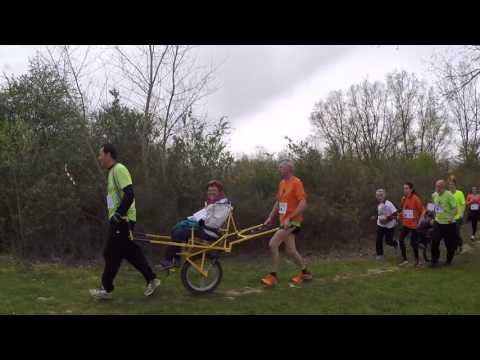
x=296 y=229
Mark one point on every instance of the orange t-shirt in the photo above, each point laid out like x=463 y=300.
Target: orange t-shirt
x=412 y=210
x=290 y=193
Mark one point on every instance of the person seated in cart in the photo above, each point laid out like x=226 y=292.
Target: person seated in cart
x=206 y=222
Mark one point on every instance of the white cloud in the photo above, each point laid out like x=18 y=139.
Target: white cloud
x=289 y=114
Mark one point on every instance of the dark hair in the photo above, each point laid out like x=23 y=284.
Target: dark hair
x=215 y=183
x=109 y=148
x=410 y=185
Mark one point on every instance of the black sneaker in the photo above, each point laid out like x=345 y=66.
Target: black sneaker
x=434 y=265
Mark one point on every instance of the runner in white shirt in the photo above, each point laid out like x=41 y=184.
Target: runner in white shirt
x=386 y=221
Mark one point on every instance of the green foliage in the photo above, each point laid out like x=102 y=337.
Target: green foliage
x=52 y=203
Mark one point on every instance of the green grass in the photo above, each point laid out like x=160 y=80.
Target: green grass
x=341 y=286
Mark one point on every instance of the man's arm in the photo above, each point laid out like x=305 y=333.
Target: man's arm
x=272 y=214
x=127 y=200
x=300 y=209
x=454 y=213
x=462 y=205
x=455 y=207
x=394 y=212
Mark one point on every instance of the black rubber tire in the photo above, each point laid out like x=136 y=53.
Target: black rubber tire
x=187 y=267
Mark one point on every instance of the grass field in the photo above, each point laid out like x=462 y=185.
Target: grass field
x=341 y=286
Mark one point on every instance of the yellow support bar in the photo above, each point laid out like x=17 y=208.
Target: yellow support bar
x=192 y=248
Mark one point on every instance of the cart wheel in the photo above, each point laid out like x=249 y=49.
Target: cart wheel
x=196 y=282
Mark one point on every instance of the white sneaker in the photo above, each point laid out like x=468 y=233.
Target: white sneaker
x=404 y=262
x=152 y=286
x=100 y=294
x=379 y=257
x=472 y=238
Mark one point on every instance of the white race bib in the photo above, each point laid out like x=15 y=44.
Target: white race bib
x=474 y=207
x=109 y=202
x=430 y=207
x=408 y=214
x=282 y=208
x=438 y=209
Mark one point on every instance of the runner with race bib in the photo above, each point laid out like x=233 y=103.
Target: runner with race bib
x=460 y=199
x=122 y=216
x=386 y=215
x=444 y=223
x=473 y=204
x=290 y=204
x=411 y=211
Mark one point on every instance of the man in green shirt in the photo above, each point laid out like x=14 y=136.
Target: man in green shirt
x=444 y=225
x=460 y=199
x=122 y=216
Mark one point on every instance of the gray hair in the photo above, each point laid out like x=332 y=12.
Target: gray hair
x=288 y=162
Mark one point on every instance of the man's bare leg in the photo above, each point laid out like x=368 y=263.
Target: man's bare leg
x=292 y=251
x=277 y=239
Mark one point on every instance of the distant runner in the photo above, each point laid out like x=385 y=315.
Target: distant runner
x=387 y=213
x=473 y=203
x=411 y=211
x=460 y=199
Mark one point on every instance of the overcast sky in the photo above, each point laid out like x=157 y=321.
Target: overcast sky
x=268 y=92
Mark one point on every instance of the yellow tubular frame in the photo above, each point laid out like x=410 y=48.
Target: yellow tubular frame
x=194 y=247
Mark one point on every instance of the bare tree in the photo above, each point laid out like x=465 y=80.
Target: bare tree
x=403 y=88
x=463 y=104
x=454 y=71
x=75 y=65
x=360 y=123
x=433 y=128
x=375 y=133
x=331 y=120
x=165 y=84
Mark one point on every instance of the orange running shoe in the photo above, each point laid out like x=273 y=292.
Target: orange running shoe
x=269 y=280
x=301 y=277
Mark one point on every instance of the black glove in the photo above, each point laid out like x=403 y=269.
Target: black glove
x=201 y=223
x=116 y=219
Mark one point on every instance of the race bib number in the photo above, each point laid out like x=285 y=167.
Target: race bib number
x=438 y=209
x=408 y=214
x=282 y=208
x=109 y=202
x=430 y=207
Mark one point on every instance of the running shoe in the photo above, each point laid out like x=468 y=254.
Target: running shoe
x=100 y=294
x=301 y=277
x=418 y=263
x=152 y=286
x=269 y=280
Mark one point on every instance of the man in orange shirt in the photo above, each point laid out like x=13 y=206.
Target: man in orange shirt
x=411 y=211
x=290 y=204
